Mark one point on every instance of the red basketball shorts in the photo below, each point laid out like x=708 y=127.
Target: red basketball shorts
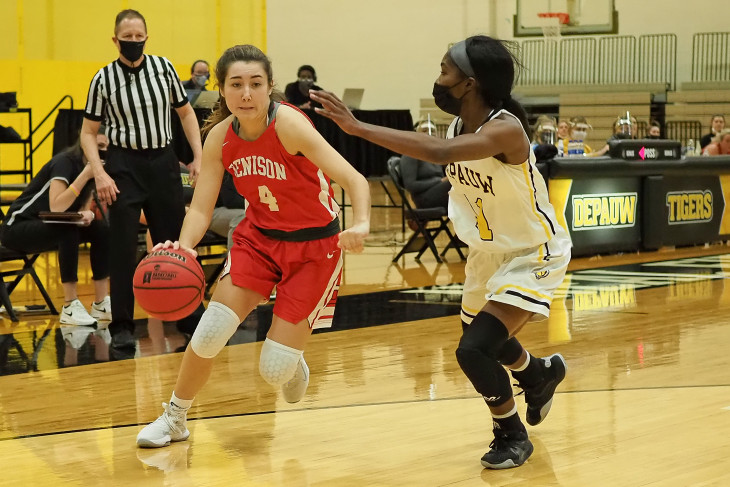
x=306 y=274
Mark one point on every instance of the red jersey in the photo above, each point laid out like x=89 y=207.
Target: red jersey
x=284 y=192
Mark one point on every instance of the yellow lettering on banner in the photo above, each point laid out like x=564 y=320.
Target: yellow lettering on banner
x=595 y=211
x=707 y=206
x=605 y=211
x=628 y=210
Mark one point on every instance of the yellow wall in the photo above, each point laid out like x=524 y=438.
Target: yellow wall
x=52 y=48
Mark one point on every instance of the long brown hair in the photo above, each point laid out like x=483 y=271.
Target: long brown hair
x=246 y=53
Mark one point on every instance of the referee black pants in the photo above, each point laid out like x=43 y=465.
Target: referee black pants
x=147 y=180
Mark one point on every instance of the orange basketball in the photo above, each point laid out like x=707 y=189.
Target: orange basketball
x=169 y=284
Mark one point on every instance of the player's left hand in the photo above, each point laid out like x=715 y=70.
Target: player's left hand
x=352 y=239
x=334 y=109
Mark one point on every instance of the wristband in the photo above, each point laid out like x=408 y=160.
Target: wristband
x=74 y=190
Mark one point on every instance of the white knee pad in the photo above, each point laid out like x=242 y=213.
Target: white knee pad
x=216 y=326
x=278 y=363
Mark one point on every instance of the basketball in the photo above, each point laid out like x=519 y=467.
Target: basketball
x=169 y=284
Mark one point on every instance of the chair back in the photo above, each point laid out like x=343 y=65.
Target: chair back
x=397 y=177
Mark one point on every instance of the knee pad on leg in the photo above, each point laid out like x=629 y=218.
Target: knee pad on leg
x=216 y=326
x=278 y=363
x=477 y=356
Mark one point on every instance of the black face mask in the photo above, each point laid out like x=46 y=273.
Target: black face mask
x=132 y=50
x=445 y=100
x=102 y=154
x=623 y=136
x=653 y=137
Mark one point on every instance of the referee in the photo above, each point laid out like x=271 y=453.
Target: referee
x=134 y=96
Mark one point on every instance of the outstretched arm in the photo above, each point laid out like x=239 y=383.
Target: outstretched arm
x=501 y=138
x=298 y=135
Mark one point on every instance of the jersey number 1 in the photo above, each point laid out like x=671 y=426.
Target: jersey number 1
x=267 y=198
x=485 y=233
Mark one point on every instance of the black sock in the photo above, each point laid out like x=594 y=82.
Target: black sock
x=511 y=423
x=530 y=376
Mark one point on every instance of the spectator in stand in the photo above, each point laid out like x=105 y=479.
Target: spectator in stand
x=717 y=124
x=720 y=145
x=563 y=130
x=654 y=131
x=545 y=131
x=578 y=132
x=624 y=127
x=199 y=75
x=297 y=92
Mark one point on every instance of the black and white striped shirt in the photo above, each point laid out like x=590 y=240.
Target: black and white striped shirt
x=135 y=103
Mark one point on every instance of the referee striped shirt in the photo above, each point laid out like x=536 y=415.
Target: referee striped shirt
x=136 y=103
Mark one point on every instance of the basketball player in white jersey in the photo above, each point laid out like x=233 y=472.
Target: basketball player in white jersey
x=518 y=253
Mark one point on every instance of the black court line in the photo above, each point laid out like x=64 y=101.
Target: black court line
x=347 y=406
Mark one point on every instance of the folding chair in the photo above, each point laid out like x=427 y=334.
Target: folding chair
x=7 y=288
x=424 y=236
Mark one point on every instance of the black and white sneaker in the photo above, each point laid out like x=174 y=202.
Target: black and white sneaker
x=508 y=450
x=74 y=313
x=102 y=310
x=539 y=398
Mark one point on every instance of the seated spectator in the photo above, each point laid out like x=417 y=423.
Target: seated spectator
x=64 y=184
x=199 y=75
x=578 y=132
x=544 y=131
x=653 y=131
x=425 y=181
x=230 y=208
x=717 y=124
x=625 y=127
x=563 y=130
x=720 y=145
x=297 y=92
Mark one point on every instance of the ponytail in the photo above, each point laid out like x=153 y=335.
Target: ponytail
x=220 y=113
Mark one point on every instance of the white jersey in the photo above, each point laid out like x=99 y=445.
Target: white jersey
x=499 y=207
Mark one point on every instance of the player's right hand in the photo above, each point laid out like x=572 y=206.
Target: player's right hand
x=176 y=246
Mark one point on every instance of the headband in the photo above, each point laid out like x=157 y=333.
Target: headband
x=457 y=53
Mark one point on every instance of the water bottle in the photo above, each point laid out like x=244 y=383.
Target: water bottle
x=690 y=152
x=575 y=148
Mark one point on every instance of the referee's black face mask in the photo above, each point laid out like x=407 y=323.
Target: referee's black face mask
x=132 y=50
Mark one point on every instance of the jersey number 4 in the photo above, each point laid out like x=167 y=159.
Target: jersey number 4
x=267 y=198
x=485 y=233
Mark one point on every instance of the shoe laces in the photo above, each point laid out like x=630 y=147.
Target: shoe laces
x=500 y=441
x=171 y=418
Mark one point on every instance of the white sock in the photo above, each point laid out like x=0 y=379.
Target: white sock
x=180 y=405
x=524 y=364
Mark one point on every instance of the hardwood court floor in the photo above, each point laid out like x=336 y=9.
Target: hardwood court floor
x=646 y=401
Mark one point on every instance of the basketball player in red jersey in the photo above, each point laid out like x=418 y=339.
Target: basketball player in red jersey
x=290 y=237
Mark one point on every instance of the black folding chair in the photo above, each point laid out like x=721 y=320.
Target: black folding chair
x=7 y=287
x=424 y=235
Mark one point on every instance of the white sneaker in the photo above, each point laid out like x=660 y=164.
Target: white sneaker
x=102 y=311
x=168 y=427
x=76 y=335
x=293 y=391
x=74 y=313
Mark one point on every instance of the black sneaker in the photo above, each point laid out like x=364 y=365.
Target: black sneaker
x=539 y=398
x=508 y=450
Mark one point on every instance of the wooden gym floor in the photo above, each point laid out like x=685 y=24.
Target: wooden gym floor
x=646 y=401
